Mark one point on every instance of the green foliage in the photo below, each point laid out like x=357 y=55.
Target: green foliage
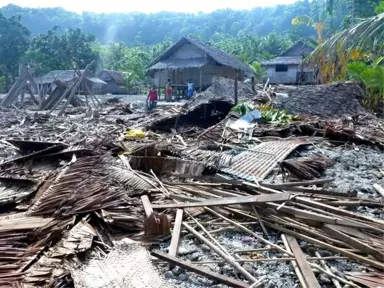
x=372 y=76
x=277 y=116
x=268 y=113
x=13 y=44
x=367 y=36
x=134 y=28
x=51 y=51
x=258 y=71
x=243 y=108
x=248 y=47
x=380 y=7
x=133 y=60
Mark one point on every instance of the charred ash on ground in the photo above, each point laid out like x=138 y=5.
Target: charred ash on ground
x=100 y=192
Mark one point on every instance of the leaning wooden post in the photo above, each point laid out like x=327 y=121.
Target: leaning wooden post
x=236 y=78
x=77 y=85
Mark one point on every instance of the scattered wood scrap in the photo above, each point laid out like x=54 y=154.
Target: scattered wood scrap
x=77 y=195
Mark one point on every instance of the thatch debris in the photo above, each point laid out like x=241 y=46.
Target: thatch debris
x=79 y=197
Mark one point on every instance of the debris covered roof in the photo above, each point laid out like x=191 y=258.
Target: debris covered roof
x=109 y=75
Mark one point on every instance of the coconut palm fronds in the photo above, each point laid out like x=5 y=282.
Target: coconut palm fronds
x=367 y=35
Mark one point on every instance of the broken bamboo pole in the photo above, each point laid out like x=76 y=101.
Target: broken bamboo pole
x=330 y=274
x=283 y=259
x=77 y=85
x=226 y=257
x=326 y=268
x=200 y=271
x=330 y=247
x=249 y=231
x=260 y=221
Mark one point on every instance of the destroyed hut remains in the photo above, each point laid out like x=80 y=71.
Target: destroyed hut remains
x=112 y=195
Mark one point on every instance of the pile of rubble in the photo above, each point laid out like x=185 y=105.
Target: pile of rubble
x=86 y=204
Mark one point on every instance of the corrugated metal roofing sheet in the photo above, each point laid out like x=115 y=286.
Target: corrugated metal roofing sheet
x=257 y=164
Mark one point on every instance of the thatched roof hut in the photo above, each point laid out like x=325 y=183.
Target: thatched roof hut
x=192 y=59
x=114 y=80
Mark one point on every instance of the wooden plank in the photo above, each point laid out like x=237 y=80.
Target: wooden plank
x=379 y=189
x=176 y=233
x=302 y=183
x=302 y=263
x=201 y=271
x=296 y=268
x=338 y=211
x=229 y=201
x=331 y=229
x=147 y=206
x=318 y=217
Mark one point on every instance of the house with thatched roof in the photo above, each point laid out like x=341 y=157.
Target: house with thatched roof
x=114 y=80
x=288 y=68
x=197 y=61
x=47 y=82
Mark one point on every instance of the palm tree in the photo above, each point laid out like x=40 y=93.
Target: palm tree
x=367 y=35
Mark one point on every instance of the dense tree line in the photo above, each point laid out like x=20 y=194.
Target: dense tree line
x=53 y=39
x=153 y=28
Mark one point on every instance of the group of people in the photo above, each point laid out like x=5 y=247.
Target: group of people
x=153 y=95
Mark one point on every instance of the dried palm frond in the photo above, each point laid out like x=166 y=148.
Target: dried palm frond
x=81 y=187
x=306 y=168
x=131 y=179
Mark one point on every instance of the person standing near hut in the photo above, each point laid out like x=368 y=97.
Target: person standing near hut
x=168 y=91
x=190 y=88
x=152 y=98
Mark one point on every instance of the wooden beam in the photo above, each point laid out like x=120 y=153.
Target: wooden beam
x=201 y=271
x=302 y=183
x=176 y=233
x=353 y=241
x=296 y=268
x=305 y=269
x=147 y=206
x=229 y=201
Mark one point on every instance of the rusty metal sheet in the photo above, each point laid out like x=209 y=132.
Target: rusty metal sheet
x=258 y=163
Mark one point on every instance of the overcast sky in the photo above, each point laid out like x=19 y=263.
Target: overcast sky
x=147 y=6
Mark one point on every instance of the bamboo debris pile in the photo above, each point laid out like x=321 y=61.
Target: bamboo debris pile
x=300 y=215
x=24 y=83
x=61 y=91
